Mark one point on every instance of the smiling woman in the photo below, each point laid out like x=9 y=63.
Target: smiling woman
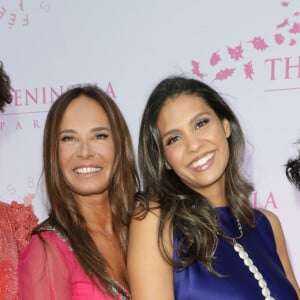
x=194 y=234
x=91 y=180
x=86 y=148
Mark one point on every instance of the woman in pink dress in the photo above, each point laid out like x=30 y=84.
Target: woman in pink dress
x=79 y=251
x=16 y=221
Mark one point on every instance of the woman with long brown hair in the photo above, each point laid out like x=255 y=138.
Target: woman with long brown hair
x=79 y=251
x=194 y=234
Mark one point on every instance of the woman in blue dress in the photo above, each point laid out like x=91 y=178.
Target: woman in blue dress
x=194 y=234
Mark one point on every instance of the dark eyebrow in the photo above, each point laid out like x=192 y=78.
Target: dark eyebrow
x=190 y=122
x=67 y=131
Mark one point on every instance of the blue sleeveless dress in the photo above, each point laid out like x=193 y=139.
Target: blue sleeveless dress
x=196 y=283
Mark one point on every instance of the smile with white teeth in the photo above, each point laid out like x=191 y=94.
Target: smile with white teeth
x=87 y=170
x=202 y=161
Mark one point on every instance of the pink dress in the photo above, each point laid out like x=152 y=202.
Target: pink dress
x=51 y=271
x=16 y=223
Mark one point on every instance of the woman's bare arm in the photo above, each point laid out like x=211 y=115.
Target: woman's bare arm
x=150 y=276
x=282 y=248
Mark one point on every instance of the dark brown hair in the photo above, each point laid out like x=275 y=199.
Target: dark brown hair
x=65 y=213
x=292 y=171
x=189 y=213
x=5 y=88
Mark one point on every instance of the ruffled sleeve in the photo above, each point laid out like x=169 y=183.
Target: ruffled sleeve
x=23 y=220
x=42 y=272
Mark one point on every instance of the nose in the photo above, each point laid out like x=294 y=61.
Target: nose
x=85 y=149
x=193 y=142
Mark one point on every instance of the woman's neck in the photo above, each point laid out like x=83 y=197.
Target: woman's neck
x=97 y=214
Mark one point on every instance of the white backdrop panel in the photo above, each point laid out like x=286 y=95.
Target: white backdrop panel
x=248 y=50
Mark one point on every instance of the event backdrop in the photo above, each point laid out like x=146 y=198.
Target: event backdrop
x=247 y=50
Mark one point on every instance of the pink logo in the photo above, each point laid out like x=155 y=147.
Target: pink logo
x=38 y=99
x=285 y=34
x=267 y=202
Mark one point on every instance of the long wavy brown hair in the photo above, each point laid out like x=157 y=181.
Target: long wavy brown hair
x=188 y=212
x=65 y=214
x=5 y=88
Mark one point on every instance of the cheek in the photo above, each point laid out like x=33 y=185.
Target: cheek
x=64 y=154
x=224 y=147
x=107 y=151
x=172 y=156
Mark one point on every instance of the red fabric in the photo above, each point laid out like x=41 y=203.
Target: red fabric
x=16 y=223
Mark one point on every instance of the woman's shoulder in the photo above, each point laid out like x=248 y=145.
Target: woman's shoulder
x=270 y=216
x=146 y=214
x=21 y=219
x=48 y=238
x=146 y=228
x=47 y=245
x=269 y=223
x=21 y=215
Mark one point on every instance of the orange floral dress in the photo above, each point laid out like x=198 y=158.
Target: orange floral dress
x=16 y=223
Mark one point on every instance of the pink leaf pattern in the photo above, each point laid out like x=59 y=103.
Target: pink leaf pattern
x=236 y=53
x=284 y=35
x=224 y=74
x=259 y=43
x=283 y=24
x=215 y=59
x=279 y=38
x=196 y=69
x=248 y=69
x=295 y=29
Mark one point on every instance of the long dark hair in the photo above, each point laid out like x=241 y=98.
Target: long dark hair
x=189 y=213
x=5 y=88
x=65 y=215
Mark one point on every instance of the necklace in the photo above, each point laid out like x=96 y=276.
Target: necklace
x=249 y=263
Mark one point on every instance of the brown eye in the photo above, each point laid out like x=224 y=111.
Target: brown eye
x=67 y=138
x=101 y=136
x=172 y=140
x=201 y=123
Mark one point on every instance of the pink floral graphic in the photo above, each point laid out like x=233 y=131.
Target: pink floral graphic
x=215 y=59
x=279 y=38
x=287 y=33
x=196 y=69
x=295 y=29
x=248 y=70
x=224 y=74
x=259 y=43
x=283 y=24
x=236 y=53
